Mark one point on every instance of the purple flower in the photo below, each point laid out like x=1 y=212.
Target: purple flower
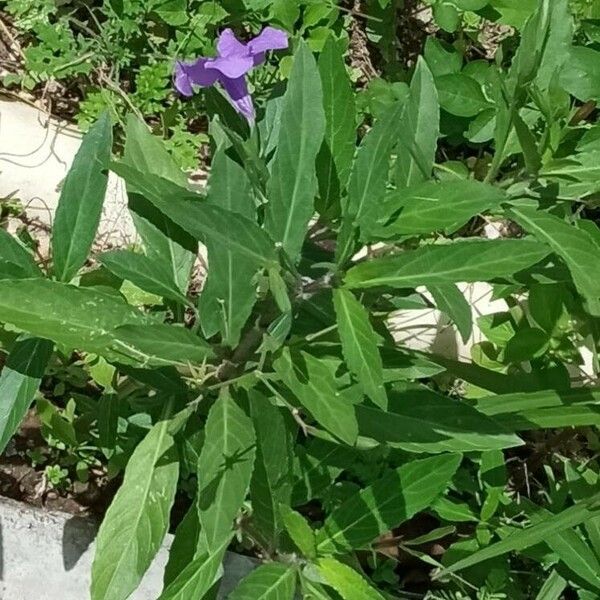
x=234 y=59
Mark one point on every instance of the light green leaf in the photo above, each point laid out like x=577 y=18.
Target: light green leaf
x=183 y=548
x=272 y=477
x=359 y=345
x=420 y=125
x=81 y=199
x=450 y=300
x=138 y=517
x=198 y=577
x=144 y=272
x=157 y=345
x=387 y=503
x=224 y=471
x=350 y=584
x=460 y=95
x=525 y=538
x=575 y=246
x=317 y=391
x=553 y=587
x=272 y=581
x=467 y=261
x=433 y=206
x=419 y=420
x=19 y=381
x=229 y=292
x=371 y=167
x=580 y=75
x=76 y=317
x=293 y=183
x=201 y=220
x=335 y=157
x=15 y=253
x=300 y=531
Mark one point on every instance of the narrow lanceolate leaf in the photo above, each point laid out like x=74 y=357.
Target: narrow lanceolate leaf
x=350 y=584
x=300 y=531
x=19 y=381
x=198 y=577
x=450 y=263
x=388 y=502
x=271 y=483
x=335 y=157
x=372 y=164
x=293 y=183
x=316 y=390
x=420 y=126
x=229 y=292
x=157 y=345
x=450 y=300
x=183 y=548
x=525 y=538
x=575 y=246
x=138 y=518
x=144 y=272
x=201 y=220
x=76 y=317
x=419 y=420
x=224 y=471
x=147 y=153
x=432 y=206
x=81 y=200
x=15 y=253
x=274 y=581
x=359 y=345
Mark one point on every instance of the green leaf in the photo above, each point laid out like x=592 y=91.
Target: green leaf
x=271 y=480
x=371 y=167
x=183 y=548
x=138 y=517
x=15 y=253
x=580 y=75
x=335 y=157
x=527 y=343
x=350 y=584
x=75 y=317
x=432 y=206
x=441 y=57
x=229 y=292
x=450 y=300
x=198 y=577
x=158 y=345
x=316 y=390
x=300 y=531
x=467 y=261
x=144 y=272
x=81 y=199
x=19 y=381
x=523 y=539
x=224 y=471
x=575 y=246
x=419 y=420
x=173 y=12
x=420 y=124
x=201 y=220
x=272 y=581
x=293 y=183
x=553 y=587
x=148 y=154
x=460 y=95
x=387 y=503
x=165 y=243
x=359 y=345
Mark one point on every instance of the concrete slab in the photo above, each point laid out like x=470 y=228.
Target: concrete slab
x=48 y=556
x=36 y=153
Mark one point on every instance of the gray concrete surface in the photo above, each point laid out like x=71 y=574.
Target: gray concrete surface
x=48 y=556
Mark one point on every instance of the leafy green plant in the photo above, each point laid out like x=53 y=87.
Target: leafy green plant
x=277 y=394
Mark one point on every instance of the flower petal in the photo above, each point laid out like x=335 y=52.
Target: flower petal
x=240 y=97
x=268 y=39
x=233 y=66
x=229 y=45
x=195 y=73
